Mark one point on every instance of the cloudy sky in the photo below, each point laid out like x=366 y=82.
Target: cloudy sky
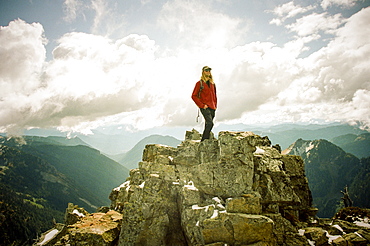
x=82 y=64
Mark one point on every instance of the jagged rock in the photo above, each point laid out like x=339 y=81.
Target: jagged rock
x=193 y=135
x=99 y=228
x=317 y=235
x=73 y=214
x=228 y=190
x=340 y=241
x=342 y=232
x=355 y=239
x=96 y=229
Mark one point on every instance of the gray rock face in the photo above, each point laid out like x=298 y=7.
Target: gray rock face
x=234 y=190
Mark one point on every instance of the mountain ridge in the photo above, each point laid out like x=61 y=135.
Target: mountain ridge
x=359 y=145
x=329 y=170
x=132 y=157
x=114 y=140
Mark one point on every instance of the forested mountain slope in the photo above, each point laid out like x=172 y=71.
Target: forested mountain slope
x=40 y=176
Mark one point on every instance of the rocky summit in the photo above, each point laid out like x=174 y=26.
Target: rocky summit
x=234 y=190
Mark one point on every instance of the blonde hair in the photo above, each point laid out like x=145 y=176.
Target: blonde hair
x=205 y=79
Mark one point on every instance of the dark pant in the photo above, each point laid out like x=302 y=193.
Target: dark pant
x=208 y=115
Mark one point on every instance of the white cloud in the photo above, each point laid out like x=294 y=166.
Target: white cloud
x=343 y=3
x=194 y=24
x=313 y=23
x=307 y=25
x=22 y=56
x=273 y=85
x=335 y=79
x=287 y=11
x=71 y=9
x=102 y=11
x=90 y=77
x=103 y=15
x=345 y=59
x=259 y=72
x=93 y=80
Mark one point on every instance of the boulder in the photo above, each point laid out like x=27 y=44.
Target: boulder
x=316 y=235
x=87 y=229
x=239 y=229
x=73 y=214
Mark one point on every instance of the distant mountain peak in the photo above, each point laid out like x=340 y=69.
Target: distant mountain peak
x=329 y=169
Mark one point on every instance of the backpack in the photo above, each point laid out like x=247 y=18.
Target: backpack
x=201 y=88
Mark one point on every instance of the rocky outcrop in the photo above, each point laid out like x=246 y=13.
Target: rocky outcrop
x=234 y=190
x=82 y=228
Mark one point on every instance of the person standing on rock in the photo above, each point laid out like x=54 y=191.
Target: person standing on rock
x=205 y=97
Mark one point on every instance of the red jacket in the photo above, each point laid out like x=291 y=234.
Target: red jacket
x=207 y=95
